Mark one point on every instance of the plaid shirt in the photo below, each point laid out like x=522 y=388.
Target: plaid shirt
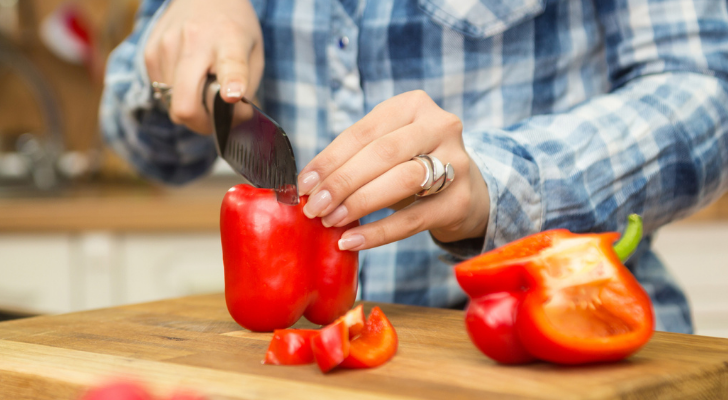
x=577 y=112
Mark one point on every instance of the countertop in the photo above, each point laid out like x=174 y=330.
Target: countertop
x=193 y=343
x=117 y=207
x=143 y=207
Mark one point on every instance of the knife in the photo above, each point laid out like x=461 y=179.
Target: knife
x=258 y=148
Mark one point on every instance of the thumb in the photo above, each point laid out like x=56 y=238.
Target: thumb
x=232 y=68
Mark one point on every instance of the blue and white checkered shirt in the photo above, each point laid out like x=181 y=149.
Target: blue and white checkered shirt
x=577 y=112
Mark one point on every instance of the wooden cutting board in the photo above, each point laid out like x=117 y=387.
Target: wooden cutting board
x=193 y=343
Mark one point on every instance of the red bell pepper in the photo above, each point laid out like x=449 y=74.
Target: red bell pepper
x=557 y=296
x=331 y=346
x=280 y=265
x=290 y=347
x=376 y=344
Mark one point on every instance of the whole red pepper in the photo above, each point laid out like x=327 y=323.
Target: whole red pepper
x=281 y=265
x=557 y=296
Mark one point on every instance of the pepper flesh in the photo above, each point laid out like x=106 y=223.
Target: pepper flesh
x=331 y=346
x=281 y=265
x=290 y=347
x=376 y=344
x=555 y=296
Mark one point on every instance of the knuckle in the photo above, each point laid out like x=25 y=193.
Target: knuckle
x=183 y=111
x=168 y=41
x=190 y=32
x=419 y=97
x=453 y=123
x=413 y=179
x=387 y=150
x=150 y=58
x=229 y=26
x=359 y=204
x=363 y=136
x=413 y=223
x=341 y=181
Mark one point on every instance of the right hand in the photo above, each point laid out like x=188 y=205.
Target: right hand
x=196 y=37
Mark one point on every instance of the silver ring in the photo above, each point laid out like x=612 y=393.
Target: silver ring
x=437 y=176
x=162 y=94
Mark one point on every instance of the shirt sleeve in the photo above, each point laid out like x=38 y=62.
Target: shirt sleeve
x=134 y=127
x=656 y=144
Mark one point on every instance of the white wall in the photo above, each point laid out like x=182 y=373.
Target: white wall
x=697 y=254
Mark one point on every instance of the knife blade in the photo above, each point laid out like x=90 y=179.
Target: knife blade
x=258 y=148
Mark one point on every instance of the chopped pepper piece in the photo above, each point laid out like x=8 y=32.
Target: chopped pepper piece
x=290 y=347
x=331 y=346
x=556 y=296
x=280 y=265
x=376 y=344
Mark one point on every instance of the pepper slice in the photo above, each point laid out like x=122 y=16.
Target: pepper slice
x=376 y=344
x=555 y=296
x=354 y=320
x=331 y=346
x=290 y=347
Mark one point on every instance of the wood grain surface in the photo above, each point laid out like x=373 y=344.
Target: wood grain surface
x=193 y=343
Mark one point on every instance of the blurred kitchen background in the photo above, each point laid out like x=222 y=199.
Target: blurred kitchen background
x=79 y=230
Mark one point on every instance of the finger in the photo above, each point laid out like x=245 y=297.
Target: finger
x=390 y=115
x=158 y=49
x=231 y=65
x=190 y=74
x=372 y=161
x=400 y=182
x=420 y=216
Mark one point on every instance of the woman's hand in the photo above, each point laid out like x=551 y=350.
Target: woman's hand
x=196 y=37
x=368 y=167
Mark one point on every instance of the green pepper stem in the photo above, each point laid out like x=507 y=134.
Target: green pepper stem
x=627 y=244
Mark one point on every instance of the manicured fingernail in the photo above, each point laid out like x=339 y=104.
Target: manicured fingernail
x=307 y=182
x=234 y=90
x=317 y=203
x=351 y=242
x=336 y=216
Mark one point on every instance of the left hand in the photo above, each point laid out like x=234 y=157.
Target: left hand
x=368 y=167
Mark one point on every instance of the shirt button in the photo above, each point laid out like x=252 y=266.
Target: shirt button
x=343 y=42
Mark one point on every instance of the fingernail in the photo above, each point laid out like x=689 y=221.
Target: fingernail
x=351 y=242
x=234 y=90
x=317 y=203
x=308 y=181
x=336 y=216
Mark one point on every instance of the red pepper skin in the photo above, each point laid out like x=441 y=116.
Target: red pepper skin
x=490 y=322
x=555 y=296
x=121 y=390
x=280 y=265
x=331 y=346
x=290 y=347
x=376 y=344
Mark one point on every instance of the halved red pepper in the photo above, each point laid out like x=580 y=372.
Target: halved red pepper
x=290 y=347
x=557 y=296
x=376 y=344
x=280 y=265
